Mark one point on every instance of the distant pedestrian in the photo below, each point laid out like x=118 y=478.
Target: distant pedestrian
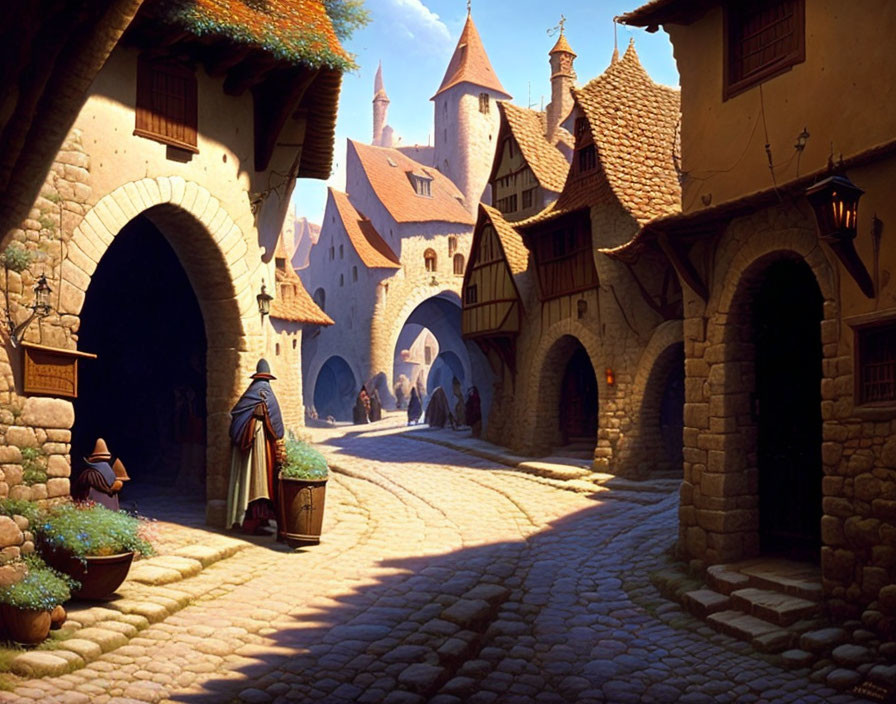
x=361 y=411
x=376 y=407
x=438 y=415
x=474 y=412
x=459 y=407
x=415 y=408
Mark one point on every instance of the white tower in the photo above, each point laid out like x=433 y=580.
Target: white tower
x=466 y=117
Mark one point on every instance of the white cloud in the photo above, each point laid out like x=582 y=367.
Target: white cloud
x=418 y=23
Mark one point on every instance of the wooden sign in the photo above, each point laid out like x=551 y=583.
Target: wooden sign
x=51 y=371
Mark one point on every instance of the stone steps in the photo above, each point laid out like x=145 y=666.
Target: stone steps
x=769 y=603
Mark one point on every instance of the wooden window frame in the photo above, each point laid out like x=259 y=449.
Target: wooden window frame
x=732 y=87
x=471 y=295
x=484 y=103
x=430 y=256
x=150 y=118
x=458 y=257
x=861 y=327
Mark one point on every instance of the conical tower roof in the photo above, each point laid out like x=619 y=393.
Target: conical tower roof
x=470 y=63
x=562 y=46
x=379 y=90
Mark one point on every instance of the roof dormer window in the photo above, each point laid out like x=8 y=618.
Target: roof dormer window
x=421 y=182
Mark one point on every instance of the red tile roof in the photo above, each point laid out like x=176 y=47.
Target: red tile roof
x=470 y=63
x=562 y=46
x=546 y=161
x=395 y=191
x=372 y=248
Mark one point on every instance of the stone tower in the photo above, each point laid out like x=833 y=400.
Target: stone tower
x=563 y=78
x=380 y=110
x=466 y=117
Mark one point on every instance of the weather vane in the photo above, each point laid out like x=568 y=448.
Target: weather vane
x=559 y=28
x=469 y=6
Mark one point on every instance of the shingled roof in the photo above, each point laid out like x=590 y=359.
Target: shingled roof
x=470 y=63
x=292 y=302
x=634 y=122
x=297 y=31
x=375 y=253
x=387 y=172
x=515 y=251
x=528 y=127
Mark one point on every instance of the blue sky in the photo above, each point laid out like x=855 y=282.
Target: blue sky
x=415 y=39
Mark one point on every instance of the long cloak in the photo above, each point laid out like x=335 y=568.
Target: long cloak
x=415 y=409
x=437 y=412
x=256 y=425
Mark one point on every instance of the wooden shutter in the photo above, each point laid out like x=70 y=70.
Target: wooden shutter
x=166 y=107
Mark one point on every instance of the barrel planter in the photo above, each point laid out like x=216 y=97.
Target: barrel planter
x=99 y=575
x=27 y=626
x=301 y=510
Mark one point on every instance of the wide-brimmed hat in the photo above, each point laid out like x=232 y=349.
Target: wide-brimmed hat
x=263 y=370
x=100 y=451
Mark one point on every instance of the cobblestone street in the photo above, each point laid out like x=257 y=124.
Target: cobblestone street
x=441 y=577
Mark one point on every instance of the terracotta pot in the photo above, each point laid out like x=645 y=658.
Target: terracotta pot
x=29 y=626
x=301 y=510
x=99 y=575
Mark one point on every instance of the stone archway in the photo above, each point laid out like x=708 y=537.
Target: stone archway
x=215 y=256
x=655 y=441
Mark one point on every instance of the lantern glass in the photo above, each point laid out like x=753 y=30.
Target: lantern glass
x=264 y=301
x=611 y=377
x=42 y=293
x=835 y=201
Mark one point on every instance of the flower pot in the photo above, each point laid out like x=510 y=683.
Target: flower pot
x=29 y=626
x=301 y=510
x=99 y=575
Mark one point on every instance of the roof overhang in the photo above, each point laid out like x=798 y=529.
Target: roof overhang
x=657 y=12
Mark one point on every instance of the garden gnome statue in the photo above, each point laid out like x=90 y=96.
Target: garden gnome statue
x=256 y=434
x=102 y=479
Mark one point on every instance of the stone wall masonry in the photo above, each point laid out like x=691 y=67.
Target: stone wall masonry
x=617 y=330
x=718 y=514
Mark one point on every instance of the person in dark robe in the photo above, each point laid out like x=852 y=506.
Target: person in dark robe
x=102 y=479
x=474 y=412
x=415 y=408
x=459 y=407
x=438 y=414
x=376 y=406
x=361 y=411
x=399 y=396
x=256 y=434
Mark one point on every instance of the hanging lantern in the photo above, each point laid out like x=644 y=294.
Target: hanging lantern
x=611 y=377
x=835 y=201
x=42 y=293
x=264 y=300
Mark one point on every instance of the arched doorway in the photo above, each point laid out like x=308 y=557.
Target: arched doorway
x=787 y=312
x=671 y=410
x=446 y=367
x=578 y=400
x=146 y=392
x=335 y=390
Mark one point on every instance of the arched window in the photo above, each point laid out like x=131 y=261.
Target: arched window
x=341 y=251
x=459 y=264
x=429 y=257
x=452 y=245
x=320 y=297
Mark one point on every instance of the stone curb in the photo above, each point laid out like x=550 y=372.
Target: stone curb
x=568 y=477
x=101 y=629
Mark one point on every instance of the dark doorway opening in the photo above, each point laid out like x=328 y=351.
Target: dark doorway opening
x=335 y=390
x=578 y=400
x=146 y=392
x=672 y=412
x=786 y=325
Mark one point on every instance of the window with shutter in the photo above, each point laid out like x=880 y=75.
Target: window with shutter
x=166 y=109
x=764 y=38
x=876 y=358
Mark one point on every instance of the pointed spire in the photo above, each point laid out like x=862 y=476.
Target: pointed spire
x=470 y=63
x=379 y=90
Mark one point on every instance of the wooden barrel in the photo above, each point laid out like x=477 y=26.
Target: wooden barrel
x=301 y=510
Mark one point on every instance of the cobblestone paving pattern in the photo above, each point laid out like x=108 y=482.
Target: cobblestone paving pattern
x=441 y=577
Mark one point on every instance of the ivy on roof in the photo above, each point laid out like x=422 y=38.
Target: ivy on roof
x=297 y=31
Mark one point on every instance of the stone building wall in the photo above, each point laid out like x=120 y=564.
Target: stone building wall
x=719 y=513
x=617 y=329
x=103 y=178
